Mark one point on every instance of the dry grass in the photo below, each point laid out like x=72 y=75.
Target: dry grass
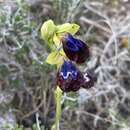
x=105 y=27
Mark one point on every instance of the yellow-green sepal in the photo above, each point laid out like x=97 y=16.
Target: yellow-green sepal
x=57 y=41
x=63 y=53
x=67 y=28
x=55 y=58
x=48 y=29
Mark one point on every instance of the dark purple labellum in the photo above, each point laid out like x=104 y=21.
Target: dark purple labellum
x=69 y=78
x=75 y=49
x=88 y=80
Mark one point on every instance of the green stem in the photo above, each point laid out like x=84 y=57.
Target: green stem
x=58 y=96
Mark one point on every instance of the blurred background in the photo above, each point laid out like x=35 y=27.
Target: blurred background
x=27 y=82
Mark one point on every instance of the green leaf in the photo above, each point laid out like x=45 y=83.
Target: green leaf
x=55 y=58
x=68 y=28
x=47 y=31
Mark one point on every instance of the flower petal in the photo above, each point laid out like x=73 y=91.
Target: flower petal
x=62 y=53
x=57 y=41
x=88 y=80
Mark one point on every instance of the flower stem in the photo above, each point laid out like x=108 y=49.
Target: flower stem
x=58 y=96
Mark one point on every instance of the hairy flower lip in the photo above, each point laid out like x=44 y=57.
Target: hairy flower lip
x=75 y=49
x=88 y=79
x=69 y=78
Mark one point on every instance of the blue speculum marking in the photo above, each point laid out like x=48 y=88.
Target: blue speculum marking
x=68 y=69
x=73 y=44
x=79 y=43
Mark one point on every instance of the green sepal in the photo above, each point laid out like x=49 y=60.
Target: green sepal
x=67 y=28
x=48 y=30
x=57 y=41
x=55 y=58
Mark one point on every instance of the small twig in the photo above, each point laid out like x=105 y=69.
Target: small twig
x=37 y=122
x=88 y=21
x=100 y=118
x=33 y=111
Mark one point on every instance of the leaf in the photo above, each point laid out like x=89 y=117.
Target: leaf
x=47 y=31
x=55 y=58
x=68 y=28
